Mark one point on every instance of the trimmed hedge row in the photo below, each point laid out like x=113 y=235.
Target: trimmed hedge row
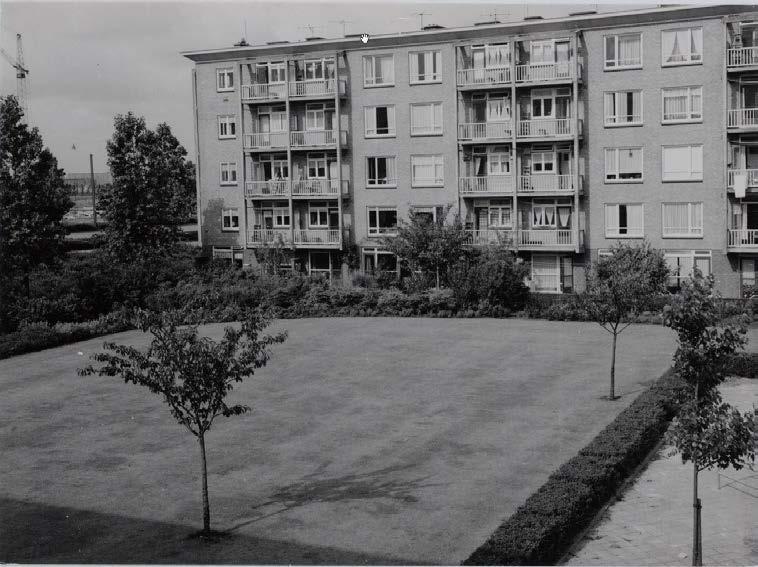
x=542 y=529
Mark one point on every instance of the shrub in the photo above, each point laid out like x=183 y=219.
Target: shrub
x=744 y=364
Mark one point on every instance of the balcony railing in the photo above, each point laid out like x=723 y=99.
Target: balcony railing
x=317 y=236
x=751 y=174
x=742 y=56
x=268 y=236
x=546 y=182
x=315 y=187
x=489 y=236
x=486 y=184
x=272 y=187
x=484 y=76
x=264 y=91
x=485 y=130
x=537 y=72
x=742 y=117
x=547 y=238
x=316 y=138
x=266 y=140
x=316 y=88
x=742 y=238
x=545 y=127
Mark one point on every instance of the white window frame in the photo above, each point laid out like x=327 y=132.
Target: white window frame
x=503 y=216
x=616 y=66
x=435 y=77
x=694 y=175
x=321 y=208
x=391 y=167
x=631 y=232
x=639 y=179
x=693 y=231
x=230 y=168
x=318 y=161
x=416 y=209
x=691 y=116
x=437 y=163
x=542 y=162
x=496 y=156
x=689 y=61
x=369 y=80
x=223 y=79
x=545 y=208
x=693 y=256
x=375 y=253
x=377 y=231
x=230 y=214
x=391 y=121
x=615 y=121
x=227 y=122
x=315 y=113
x=435 y=130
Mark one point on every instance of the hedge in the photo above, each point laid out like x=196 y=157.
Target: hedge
x=544 y=527
x=744 y=364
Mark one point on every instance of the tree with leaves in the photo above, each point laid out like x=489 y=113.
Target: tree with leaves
x=33 y=201
x=620 y=286
x=153 y=190
x=194 y=374
x=707 y=432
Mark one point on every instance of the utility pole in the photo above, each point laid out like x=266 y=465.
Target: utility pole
x=94 y=200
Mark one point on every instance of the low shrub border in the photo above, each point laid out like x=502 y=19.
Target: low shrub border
x=744 y=364
x=544 y=527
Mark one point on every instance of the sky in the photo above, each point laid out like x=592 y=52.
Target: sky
x=89 y=61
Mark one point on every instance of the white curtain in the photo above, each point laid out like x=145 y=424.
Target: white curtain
x=629 y=49
x=611 y=219
x=675 y=218
x=740 y=185
x=386 y=70
x=630 y=160
x=478 y=162
x=675 y=104
x=564 y=214
x=634 y=219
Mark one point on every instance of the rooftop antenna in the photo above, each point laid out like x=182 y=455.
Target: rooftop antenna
x=493 y=16
x=421 y=18
x=344 y=25
x=243 y=42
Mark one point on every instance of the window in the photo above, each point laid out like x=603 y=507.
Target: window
x=318 y=215
x=498 y=161
x=499 y=217
x=623 y=164
x=683 y=104
x=431 y=214
x=543 y=161
x=378 y=70
x=376 y=260
x=682 y=262
x=228 y=173
x=281 y=217
x=227 y=127
x=315 y=116
x=623 y=51
x=425 y=67
x=624 y=221
x=682 y=219
x=542 y=103
x=544 y=216
x=316 y=164
x=230 y=220
x=380 y=172
x=225 y=79
x=682 y=47
x=380 y=121
x=426 y=118
x=683 y=163
x=427 y=171
x=382 y=221
x=542 y=51
x=623 y=108
x=567 y=274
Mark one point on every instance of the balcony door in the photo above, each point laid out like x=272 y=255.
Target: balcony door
x=749 y=96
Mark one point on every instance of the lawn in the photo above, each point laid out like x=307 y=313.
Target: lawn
x=371 y=441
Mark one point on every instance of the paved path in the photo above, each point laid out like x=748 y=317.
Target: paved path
x=652 y=523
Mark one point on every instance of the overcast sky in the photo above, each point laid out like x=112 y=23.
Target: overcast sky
x=90 y=61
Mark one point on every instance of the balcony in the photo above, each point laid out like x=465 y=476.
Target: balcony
x=490 y=236
x=265 y=140
x=268 y=236
x=271 y=188
x=486 y=185
x=546 y=239
x=742 y=118
x=315 y=138
x=750 y=174
x=546 y=128
x=742 y=239
x=480 y=131
x=742 y=57
x=545 y=72
x=318 y=187
x=264 y=92
x=484 y=76
x=546 y=183
x=317 y=237
x=318 y=88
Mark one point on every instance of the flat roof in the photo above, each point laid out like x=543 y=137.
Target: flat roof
x=563 y=23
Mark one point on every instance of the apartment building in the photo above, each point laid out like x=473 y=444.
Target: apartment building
x=561 y=136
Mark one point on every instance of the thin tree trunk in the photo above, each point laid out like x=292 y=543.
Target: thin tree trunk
x=206 y=504
x=697 y=552
x=27 y=285
x=438 y=277
x=613 y=369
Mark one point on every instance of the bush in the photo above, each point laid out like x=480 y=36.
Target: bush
x=542 y=529
x=744 y=364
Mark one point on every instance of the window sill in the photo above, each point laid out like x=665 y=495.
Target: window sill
x=682 y=63
x=622 y=181
x=425 y=134
x=626 y=68
x=687 y=236
x=688 y=121
x=624 y=125
x=230 y=230
x=373 y=136
x=382 y=235
x=227 y=137
x=231 y=90
x=434 y=82
x=228 y=184
x=381 y=86
x=682 y=180
x=384 y=186
x=428 y=186
x=623 y=236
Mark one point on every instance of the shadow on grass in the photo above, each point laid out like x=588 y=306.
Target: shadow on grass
x=38 y=533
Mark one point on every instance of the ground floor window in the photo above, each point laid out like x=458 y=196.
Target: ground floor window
x=682 y=262
x=552 y=273
x=232 y=254
x=748 y=276
x=230 y=220
x=376 y=260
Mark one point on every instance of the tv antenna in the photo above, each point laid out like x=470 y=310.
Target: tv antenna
x=494 y=16
x=344 y=25
x=421 y=18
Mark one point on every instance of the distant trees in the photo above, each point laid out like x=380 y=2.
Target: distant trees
x=33 y=201
x=620 y=286
x=193 y=374
x=153 y=190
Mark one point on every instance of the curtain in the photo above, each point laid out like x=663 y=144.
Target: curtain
x=696 y=48
x=564 y=215
x=611 y=219
x=696 y=218
x=479 y=166
x=368 y=70
x=611 y=163
x=675 y=104
x=675 y=218
x=634 y=219
x=629 y=161
x=370 y=115
x=387 y=67
x=629 y=49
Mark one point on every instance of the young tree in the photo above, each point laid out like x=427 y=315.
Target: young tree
x=620 y=286
x=194 y=374
x=272 y=255
x=429 y=246
x=33 y=199
x=153 y=190
x=707 y=432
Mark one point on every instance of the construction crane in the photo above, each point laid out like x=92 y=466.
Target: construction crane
x=22 y=90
